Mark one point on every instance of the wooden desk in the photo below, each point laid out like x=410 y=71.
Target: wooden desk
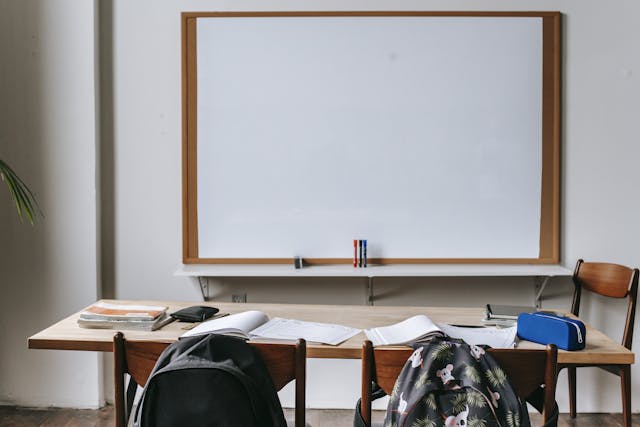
x=67 y=335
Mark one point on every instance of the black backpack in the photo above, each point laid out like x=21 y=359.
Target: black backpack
x=209 y=380
x=449 y=383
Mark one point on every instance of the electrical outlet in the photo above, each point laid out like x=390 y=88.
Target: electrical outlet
x=239 y=298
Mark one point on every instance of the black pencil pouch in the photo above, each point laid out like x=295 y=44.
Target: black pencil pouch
x=195 y=313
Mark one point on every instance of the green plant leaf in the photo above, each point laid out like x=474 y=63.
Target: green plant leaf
x=477 y=399
x=496 y=377
x=424 y=422
x=25 y=201
x=476 y=422
x=423 y=380
x=442 y=352
x=430 y=401
x=513 y=419
x=472 y=374
x=458 y=403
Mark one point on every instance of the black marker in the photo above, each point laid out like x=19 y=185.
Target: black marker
x=364 y=253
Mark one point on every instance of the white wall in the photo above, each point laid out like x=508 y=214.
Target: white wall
x=601 y=63
x=141 y=189
x=48 y=134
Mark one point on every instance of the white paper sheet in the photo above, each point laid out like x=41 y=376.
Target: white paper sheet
x=494 y=337
x=238 y=324
x=291 y=329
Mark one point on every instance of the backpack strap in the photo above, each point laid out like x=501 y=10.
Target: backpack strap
x=536 y=400
x=376 y=393
x=552 y=420
x=132 y=388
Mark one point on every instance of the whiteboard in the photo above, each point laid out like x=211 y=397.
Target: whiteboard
x=421 y=134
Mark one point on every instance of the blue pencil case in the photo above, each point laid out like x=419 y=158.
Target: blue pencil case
x=547 y=328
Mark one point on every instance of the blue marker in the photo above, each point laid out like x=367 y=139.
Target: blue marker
x=364 y=253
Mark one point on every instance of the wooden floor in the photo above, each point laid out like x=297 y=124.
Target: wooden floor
x=21 y=417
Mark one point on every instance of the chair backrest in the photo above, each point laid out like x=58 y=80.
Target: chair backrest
x=610 y=280
x=285 y=363
x=527 y=370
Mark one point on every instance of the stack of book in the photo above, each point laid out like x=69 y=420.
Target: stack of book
x=105 y=315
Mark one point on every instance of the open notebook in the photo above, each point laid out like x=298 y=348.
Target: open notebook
x=421 y=329
x=255 y=324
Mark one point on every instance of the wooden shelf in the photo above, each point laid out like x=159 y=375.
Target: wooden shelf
x=396 y=270
x=541 y=271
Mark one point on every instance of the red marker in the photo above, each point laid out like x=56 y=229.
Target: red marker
x=355 y=253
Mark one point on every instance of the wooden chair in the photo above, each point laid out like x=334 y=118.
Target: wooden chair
x=527 y=371
x=615 y=281
x=285 y=362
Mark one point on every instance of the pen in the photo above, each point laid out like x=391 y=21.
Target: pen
x=163 y=323
x=364 y=253
x=189 y=326
x=355 y=253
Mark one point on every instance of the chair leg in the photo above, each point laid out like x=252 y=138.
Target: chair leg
x=301 y=383
x=571 y=375
x=118 y=387
x=367 y=378
x=625 y=380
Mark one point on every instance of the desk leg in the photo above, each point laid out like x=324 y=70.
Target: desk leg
x=369 y=291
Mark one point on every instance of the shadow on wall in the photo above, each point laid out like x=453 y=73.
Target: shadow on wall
x=106 y=179
x=48 y=134
x=22 y=144
x=396 y=291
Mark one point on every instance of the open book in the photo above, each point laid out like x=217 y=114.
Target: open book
x=415 y=329
x=421 y=329
x=255 y=324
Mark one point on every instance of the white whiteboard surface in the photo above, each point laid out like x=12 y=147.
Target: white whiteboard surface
x=420 y=134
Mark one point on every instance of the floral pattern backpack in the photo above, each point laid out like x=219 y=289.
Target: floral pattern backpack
x=450 y=383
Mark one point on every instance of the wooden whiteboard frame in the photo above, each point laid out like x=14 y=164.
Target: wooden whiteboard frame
x=551 y=115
